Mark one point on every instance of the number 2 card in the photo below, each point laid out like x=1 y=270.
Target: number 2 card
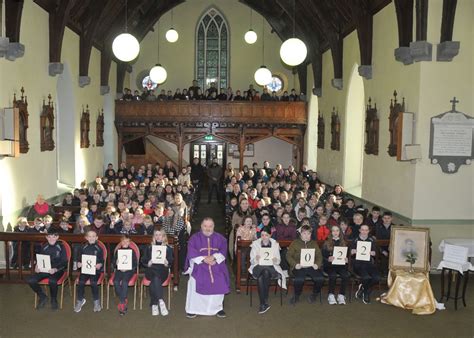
x=363 y=251
x=158 y=254
x=124 y=260
x=266 y=257
x=339 y=253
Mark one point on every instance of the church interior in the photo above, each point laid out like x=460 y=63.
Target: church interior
x=172 y=111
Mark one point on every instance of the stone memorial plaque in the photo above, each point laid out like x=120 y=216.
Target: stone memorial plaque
x=451 y=139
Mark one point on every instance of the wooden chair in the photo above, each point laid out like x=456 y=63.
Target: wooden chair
x=101 y=279
x=133 y=281
x=146 y=282
x=64 y=278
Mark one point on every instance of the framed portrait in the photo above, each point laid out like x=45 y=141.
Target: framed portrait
x=249 y=150
x=232 y=148
x=407 y=242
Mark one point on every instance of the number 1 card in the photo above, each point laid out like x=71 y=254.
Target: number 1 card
x=43 y=262
x=307 y=257
x=124 y=260
x=158 y=254
x=88 y=263
x=339 y=253
x=363 y=251
x=266 y=257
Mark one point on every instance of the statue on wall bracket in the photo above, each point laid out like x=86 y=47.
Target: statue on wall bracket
x=451 y=139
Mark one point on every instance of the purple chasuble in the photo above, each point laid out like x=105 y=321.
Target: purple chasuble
x=210 y=280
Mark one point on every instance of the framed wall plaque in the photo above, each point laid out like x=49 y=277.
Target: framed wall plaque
x=47 y=126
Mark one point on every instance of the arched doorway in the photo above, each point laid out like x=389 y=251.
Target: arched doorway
x=354 y=134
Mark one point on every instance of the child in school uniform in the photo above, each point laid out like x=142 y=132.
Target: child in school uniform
x=93 y=249
x=367 y=270
x=335 y=239
x=157 y=273
x=122 y=277
x=58 y=257
x=21 y=227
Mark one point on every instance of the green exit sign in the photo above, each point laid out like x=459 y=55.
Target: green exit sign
x=208 y=137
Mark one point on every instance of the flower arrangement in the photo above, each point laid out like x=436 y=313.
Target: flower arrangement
x=411 y=258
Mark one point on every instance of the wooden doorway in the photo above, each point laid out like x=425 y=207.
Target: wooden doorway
x=207 y=149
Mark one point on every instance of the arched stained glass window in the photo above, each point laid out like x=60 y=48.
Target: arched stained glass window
x=212 y=50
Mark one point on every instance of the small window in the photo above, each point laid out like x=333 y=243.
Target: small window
x=276 y=85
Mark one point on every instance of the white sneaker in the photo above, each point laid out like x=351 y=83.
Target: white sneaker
x=331 y=299
x=154 y=310
x=74 y=266
x=341 y=299
x=79 y=305
x=163 y=309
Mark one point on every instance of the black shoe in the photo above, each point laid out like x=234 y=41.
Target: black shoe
x=42 y=302
x=221 y=314
x=312 y=298
x=359 y=292
x=263 y=308
x=54 y=304
x=294 y=300
x=190 y=315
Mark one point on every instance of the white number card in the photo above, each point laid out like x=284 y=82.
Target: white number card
x=363 y=251
x=124 y=260
x=88 y=263
x=307 y=257
x=43 y=262
x=339 y=253
x=266 y=257
x=158 y=254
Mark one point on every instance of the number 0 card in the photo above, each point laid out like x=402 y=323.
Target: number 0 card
x=307 y=257
x=88 y=263
x=363 y=251
x=340 y=254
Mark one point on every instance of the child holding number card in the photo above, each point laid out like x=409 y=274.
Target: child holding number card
x=93 y=249
x=335 y=239
x=263 y=272
x=122 y=277
x=157 y=273
x=299 y=272
x=367 y=270
x=58 y=259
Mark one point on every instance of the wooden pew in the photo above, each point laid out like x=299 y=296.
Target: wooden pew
x=8 y=275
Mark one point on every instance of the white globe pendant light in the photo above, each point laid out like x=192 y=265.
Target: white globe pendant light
x=172 y=35
x=263 y=76
x=250 y=37
x=125 y=47
x=293 y=52
x=158 y=74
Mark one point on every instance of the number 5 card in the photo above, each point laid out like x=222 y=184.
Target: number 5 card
x=363 y=251
x=43 y=262
x=124 y=260
x=88 y=263
x=339 y=253
x=307 y=257
x=266 y=257
x=158 y=254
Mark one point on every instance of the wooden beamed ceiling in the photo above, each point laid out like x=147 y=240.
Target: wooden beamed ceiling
x=321 y=24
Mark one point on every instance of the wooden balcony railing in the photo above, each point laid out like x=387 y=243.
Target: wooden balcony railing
x=212 y=111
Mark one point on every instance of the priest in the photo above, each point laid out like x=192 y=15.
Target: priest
x=208 y=274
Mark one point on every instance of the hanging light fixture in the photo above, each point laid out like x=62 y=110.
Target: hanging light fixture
x=250 y=37
x=158 y=73
x=293 y=51
x=263 y=76
x=172 y=35
x=125 y=46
